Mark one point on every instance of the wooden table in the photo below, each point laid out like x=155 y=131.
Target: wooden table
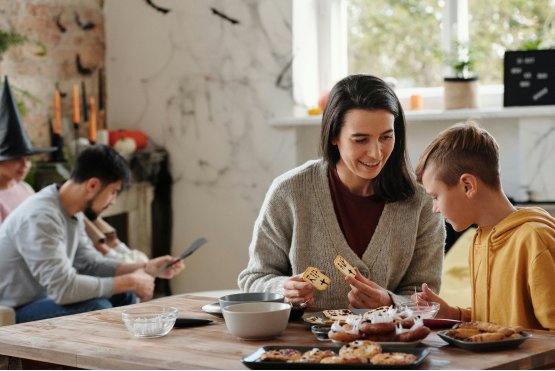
x=100 y=340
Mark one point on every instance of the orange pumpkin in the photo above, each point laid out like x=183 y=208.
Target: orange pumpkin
x=138 y=136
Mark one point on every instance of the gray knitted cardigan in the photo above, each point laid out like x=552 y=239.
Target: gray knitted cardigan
x=297 y=228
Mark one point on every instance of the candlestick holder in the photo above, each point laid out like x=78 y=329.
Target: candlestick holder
x=58 y=142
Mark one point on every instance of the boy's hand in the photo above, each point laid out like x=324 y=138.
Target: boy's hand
x=366 y=294
x=446 y=311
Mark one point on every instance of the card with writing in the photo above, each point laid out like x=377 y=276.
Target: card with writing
x=316 y=278
x=344 y=266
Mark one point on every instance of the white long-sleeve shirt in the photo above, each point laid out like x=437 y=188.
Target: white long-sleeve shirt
x=45 y=253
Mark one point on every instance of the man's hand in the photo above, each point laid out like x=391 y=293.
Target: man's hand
x=154 y=264
x=298 y=291
x=366 y=294
x=143 y=284
x=446 y=311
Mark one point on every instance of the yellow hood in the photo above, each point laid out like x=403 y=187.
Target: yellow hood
x=516 y=219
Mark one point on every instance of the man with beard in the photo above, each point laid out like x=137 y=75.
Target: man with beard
x=49 y=265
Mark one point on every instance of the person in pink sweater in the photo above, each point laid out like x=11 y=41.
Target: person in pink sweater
x=13 y=190
x=15 y=154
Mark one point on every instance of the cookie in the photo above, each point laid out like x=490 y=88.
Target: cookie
x=486 y=336
x=360 y=349
x=314 y=320
x=318 y=354
x=393 y=359
x=280 y=355
x=304 y=359
x=517 y=329
x=344 y=337
x=461 y=334
x=493 y=328
x=344 y=360
x=316 y=278
x=344 y=266
x=466 y=326
x=338 y=314
x=378 y=310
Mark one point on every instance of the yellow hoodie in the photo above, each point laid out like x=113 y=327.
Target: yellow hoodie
x=512 y=271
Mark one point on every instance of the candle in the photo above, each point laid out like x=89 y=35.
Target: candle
x=76 y=114
x=57 y=114
x=93 y=122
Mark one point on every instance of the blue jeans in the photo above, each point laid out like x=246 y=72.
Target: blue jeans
x=46 y=308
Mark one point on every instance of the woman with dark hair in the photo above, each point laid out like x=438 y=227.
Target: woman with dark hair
x=360 y=201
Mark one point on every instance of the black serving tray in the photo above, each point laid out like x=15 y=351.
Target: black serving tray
x=486 y=345
x=253 y=361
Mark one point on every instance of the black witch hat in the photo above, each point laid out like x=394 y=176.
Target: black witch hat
x=14 y=142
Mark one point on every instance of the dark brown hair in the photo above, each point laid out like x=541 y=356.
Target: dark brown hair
x=464 y=148
x=396 y=180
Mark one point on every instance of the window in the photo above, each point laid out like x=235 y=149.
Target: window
x=397 y=38
x=499 y=25
x=403 y=38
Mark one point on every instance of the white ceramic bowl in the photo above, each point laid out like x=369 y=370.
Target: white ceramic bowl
x=151 y=321
x=257 y=321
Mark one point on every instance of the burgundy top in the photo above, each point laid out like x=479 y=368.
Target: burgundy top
x=358 y=216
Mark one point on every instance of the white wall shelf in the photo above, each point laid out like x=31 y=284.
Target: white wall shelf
x=435 y=115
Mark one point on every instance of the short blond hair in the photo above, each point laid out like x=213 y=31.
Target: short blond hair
x=464 y=148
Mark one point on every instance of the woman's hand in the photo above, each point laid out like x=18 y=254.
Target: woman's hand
x=366 y=294
x=446 y=311
x=154 y=264
x=297 y=291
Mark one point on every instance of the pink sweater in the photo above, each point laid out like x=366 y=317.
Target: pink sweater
x=12 y=197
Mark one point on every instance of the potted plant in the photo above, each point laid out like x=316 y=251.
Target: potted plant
x=461 y=90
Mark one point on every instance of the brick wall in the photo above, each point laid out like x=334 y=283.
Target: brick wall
x=43 y=21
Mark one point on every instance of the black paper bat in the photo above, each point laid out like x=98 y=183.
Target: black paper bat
x=82 y=70
x=59 y=24
x=222 y=15
x=161 y=10
x=86 y=26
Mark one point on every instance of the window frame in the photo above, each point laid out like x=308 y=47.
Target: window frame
x=331 y=48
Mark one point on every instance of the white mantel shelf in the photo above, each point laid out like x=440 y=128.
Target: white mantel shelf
x=435 y=115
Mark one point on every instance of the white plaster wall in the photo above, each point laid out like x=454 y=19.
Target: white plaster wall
x=203 y=88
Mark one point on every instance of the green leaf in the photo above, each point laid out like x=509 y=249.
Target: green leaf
x=26 y=94
x=9 y=39
x=43 y=51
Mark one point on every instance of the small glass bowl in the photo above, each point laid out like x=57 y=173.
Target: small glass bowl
x=150 y=321
x=424 y=309
x=321 y=332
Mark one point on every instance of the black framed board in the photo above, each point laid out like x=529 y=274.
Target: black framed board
x=529 y=78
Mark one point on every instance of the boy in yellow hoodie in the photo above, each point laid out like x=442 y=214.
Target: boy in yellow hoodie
x=512 y=257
